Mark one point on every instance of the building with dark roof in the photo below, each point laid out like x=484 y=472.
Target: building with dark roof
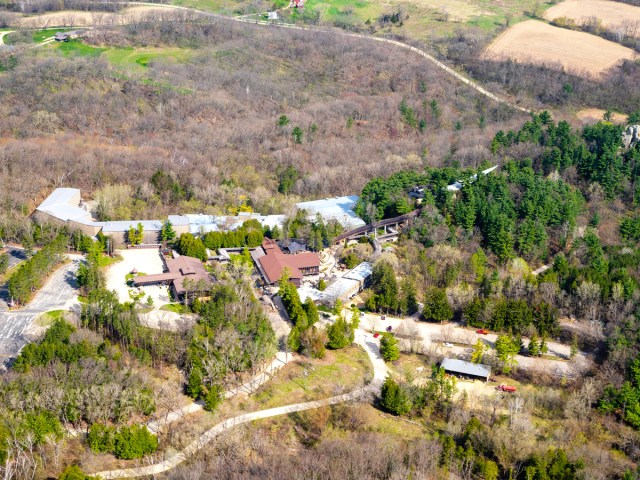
x=464 y=369
x=271 y=262
x=184 y=275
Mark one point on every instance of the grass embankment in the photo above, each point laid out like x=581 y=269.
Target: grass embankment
x=175 y=308
x=47 y=318
x=313 y=379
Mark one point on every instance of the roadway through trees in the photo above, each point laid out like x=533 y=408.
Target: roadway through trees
x=458 y=76
x=430 y=58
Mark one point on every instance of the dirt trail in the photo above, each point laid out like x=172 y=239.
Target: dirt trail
x=380 y=373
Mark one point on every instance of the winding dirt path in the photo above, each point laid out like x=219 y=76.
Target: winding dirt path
x=379 y=371
x=430 y=58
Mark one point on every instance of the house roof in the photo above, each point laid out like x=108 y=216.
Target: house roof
x=360 y=273
x=466 y=368
x=210 y=223
x=339 y=288
x=339 y=209
x=273 y=263
x=180 y=269
x=63 y=204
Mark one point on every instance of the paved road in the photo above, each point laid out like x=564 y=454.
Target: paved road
x=59 y=293
x=433 y=335
x=431 y=59
x=16 y=255
x=2 y=34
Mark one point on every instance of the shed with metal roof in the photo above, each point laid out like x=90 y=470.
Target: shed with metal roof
x=466 y=369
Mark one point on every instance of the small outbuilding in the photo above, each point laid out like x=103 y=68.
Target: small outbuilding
x=466 y=370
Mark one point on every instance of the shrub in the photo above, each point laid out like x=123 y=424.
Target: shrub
x=134 y=442
x=389 y=348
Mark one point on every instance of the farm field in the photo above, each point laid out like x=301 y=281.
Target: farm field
x=81 y=19
x=608 y=12
x=539 y=43
x=419 y=18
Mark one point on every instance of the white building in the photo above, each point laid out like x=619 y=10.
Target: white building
x=339 y=209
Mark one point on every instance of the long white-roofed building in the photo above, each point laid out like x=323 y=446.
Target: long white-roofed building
x=340 y=209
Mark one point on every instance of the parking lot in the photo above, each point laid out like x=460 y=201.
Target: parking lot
x=16 y=255
x=59 y=293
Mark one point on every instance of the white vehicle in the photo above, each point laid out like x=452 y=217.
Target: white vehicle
x=447 y=344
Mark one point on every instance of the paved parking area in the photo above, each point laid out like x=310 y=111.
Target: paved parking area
x=16 y=255
x=59 y=293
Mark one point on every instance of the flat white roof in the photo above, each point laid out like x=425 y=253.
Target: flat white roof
x=360 y=273
x=124 y=225
x=337 y=208
x=466 y=368
x=211 y=223
x=63 y=205
x=340 y=287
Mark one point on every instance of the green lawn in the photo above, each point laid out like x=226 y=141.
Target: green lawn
x=105 y=260
x=310 y=379
x=75 y=48
x=140 y=58
x=175 y=308
x=41 y=35
x=48 y=318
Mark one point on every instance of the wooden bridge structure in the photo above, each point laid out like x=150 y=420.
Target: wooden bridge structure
x=390 y=226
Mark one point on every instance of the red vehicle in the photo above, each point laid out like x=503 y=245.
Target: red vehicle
x=376 y=335
x=482 y=331
x=507 y=388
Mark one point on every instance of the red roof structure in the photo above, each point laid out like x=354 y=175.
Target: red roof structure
x=274 y=262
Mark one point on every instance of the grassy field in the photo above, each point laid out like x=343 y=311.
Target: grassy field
x=311 y=379
x=175 y=308
x=75 y=48
x=141 y=58
x=41 y=35
x=129 y=59
x=420 y=18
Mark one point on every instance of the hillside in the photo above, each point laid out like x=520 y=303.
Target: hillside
x=205 y=106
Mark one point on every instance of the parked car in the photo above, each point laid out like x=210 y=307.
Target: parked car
x=361 y=314
x=389 y=328
x=482 y=331
x=376 y=335
x=383 y=317
x=447 y=344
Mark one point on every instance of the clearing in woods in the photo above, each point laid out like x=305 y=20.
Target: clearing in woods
x=610 y=14
x=594 y=115
x=539 y=43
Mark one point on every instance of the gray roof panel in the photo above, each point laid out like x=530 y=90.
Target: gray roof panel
x=466 y=368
